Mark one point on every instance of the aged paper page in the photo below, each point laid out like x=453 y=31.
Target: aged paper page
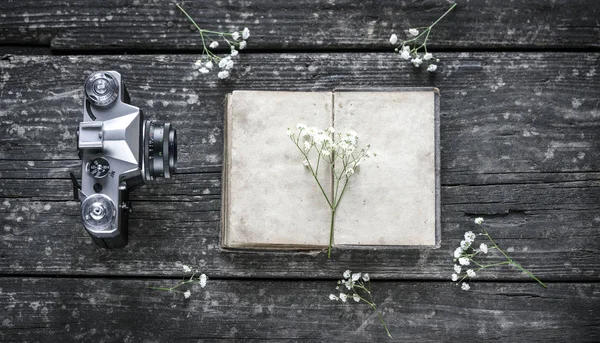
x=391 y=200
x=271 y=200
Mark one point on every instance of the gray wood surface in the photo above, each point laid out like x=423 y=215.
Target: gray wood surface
x=145 y=25
x=113 y=310
x=520 y=127
x=519 y=148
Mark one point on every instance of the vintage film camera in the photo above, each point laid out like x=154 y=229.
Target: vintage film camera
x=120 y=151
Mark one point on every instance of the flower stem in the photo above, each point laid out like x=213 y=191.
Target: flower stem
x=372 y=304
x=443 y=15
x=331 y=232
x=528 y=273
x=510 y=260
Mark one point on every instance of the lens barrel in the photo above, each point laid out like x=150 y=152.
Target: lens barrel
x=160 y=150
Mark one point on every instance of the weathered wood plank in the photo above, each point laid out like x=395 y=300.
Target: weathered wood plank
x=519 y=147
x=305 y=24
x=127 y=311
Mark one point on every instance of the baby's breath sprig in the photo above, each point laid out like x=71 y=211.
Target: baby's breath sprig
x=340 y=152
x=358 y=286
x=410 y=49
x=235 y=40
x=195 y=277
x=466 y=253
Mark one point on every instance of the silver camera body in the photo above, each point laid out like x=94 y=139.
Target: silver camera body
x=120 y=151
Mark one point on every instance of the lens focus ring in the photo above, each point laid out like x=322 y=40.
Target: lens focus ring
x=160 y=150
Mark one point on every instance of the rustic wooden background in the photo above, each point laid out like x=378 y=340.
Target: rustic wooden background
x=520 y=132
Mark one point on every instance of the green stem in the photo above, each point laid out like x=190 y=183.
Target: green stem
x=528 y=273
x=313 y=174
x=372 y=304
x=331 y=232
x=510 y=260
x=495 y=264
x=443 y=15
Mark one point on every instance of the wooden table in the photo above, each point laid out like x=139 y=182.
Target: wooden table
x=520 y=126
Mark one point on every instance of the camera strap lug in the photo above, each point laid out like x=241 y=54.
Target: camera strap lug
x=76 y=187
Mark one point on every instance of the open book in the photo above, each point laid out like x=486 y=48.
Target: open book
x=271 y=200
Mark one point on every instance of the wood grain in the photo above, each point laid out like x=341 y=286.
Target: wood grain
x=150 y=25
x=519 y=140
x=108 y=310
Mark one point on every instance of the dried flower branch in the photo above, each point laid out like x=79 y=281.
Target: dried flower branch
x=235 y=40
x=195 y=278
x=409 y=49
x=358 y=285
x=466 y=253
x=340 y=152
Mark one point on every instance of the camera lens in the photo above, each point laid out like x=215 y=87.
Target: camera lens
x=160 y=150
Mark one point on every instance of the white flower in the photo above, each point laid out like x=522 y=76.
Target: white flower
x=366 y=277
x=235 y=35
x=325 y=152
x=405 y=54
x=343 y=297
x=349 y=172
x=457 y=268
x=469 y=236
x=478 y=220
x=229 y=65
x=233 y=53
x=393 y=39
x=416 y=61
x=458 y=252
x=209 y=65
x=203 y=279
x=187 y=294
x=355 y=276
x=347 y=274
x=431 y=68
x=305 y=162
x=413 y=32
x=483 y=248
x=307 y=146
x=301 y=126
x=331 y=129
x=243 y=44
x=356 y=297
x=213 y=44
x=464 y=245
x=203 y=70
x=464 y=261
x=333 y=297
x=223 y=62
x=471 y=273
x=465 y=286
x=198 y=63
x=349 y=283
x=310 y=132
x=454 y=277
x=427 y=56
x=223 y=74
x=245 y=33
x=186 y=268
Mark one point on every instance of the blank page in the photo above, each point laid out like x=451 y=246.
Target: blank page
x=391 y=199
